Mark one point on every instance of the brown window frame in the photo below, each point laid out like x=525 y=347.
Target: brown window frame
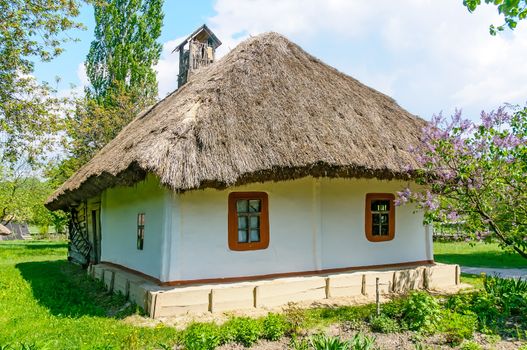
x=233 y=221
x=391 y=217
x=140 y=231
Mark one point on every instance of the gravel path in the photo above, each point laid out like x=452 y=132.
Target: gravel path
x=507 y=273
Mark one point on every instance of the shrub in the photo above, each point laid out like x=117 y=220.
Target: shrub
x=274 y=326
x=295 y=317
x=470 y=345
x=383 y=324
x=202 y=336
x=457 y=327
x=243 y=330
x=421 y=312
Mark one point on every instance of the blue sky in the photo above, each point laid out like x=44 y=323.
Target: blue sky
x=429 y=55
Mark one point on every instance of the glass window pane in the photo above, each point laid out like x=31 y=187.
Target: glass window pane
x=254 y=221
x=375 y=219
x=375 y=230
x=384 y=218
x=255 y=235
x=242 y=206
x=380 y=205
x=242 y=236
x=384 y=230
x=254 y=205
x=242 y=222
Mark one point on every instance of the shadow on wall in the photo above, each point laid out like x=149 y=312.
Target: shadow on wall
x=66 y=290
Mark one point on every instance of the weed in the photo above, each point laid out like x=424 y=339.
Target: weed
x=421 y=312
x=274 y=326
x=202 y=336
x=457 y=327
x=362 y=342
x=243 y=330
x=384 y=324
x=470 y=345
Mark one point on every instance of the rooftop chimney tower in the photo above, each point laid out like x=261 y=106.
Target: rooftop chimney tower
x=196 y=51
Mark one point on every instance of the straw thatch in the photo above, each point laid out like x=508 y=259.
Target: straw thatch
x=266 y=111
x=4 y=231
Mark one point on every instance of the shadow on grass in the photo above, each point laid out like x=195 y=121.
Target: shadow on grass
x=67 y=291
x=46 y=246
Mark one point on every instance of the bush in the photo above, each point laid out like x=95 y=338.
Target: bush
x=274 y=326
x=458 y=327
x=384 y=324
x=243 y=330
x=421 y=312
x=202 y=336
x=295 y=317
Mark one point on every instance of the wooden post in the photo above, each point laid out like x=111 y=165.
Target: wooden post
x=377 y=299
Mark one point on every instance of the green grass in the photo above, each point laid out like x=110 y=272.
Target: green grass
x=475 y=280
x=476 y=255
x=49 y=303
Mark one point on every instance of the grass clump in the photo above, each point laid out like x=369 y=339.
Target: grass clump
x=274 y=326
x=243 y=330
x=458 y=327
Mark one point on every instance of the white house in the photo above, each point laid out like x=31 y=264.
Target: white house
x=264 y=166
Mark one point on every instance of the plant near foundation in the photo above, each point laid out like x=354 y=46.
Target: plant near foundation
x=421 y=312
x=274 y=326
x=243 y=330
x=457 y=327
x=202 y=336
x=384 y=324
x=295 y=317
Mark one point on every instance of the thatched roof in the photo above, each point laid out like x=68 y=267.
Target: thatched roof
x=4 y=231
x=266 y=111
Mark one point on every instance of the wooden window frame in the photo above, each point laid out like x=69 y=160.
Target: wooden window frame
x=391 y=217
x=233 y=221
x=140 y=231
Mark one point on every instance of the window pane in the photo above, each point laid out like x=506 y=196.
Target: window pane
x=384 y=218
x=380 y=205
x=375 y=219
x=254 y=205
x=384 y=230
x=242 y=206
x=255 y=235
x=375 y=230
x=242 y=222
x=254 y=221
x=242 y=236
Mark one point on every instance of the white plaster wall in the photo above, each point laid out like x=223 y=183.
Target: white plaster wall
x=119 y=209
x=343 y=239
x=314 y=224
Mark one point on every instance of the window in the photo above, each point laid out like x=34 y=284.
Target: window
x=380 y=217
x=248 y=221
x=140 y=230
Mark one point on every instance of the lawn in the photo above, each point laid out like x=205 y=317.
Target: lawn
x=48 y=303
x=476 y=255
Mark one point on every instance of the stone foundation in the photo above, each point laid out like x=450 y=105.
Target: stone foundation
x=160 y=301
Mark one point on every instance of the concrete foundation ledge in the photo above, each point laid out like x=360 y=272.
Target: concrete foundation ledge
x=160 y=301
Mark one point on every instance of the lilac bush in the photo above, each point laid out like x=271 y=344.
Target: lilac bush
x=475 y=174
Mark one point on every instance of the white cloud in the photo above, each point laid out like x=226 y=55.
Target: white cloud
x=429 y=55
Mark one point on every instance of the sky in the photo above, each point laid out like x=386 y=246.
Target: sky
x=431 y=56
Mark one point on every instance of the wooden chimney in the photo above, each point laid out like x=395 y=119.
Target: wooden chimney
x=196 y=51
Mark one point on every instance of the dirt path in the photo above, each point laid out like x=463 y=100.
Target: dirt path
x=506 y=273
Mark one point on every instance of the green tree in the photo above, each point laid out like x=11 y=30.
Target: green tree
x=120 y=67
x=512 y=10
x=476 y=175
x=30 y=30
x=125 y=49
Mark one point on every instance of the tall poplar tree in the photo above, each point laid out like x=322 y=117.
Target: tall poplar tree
x=120 y=67
x=125 y=49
